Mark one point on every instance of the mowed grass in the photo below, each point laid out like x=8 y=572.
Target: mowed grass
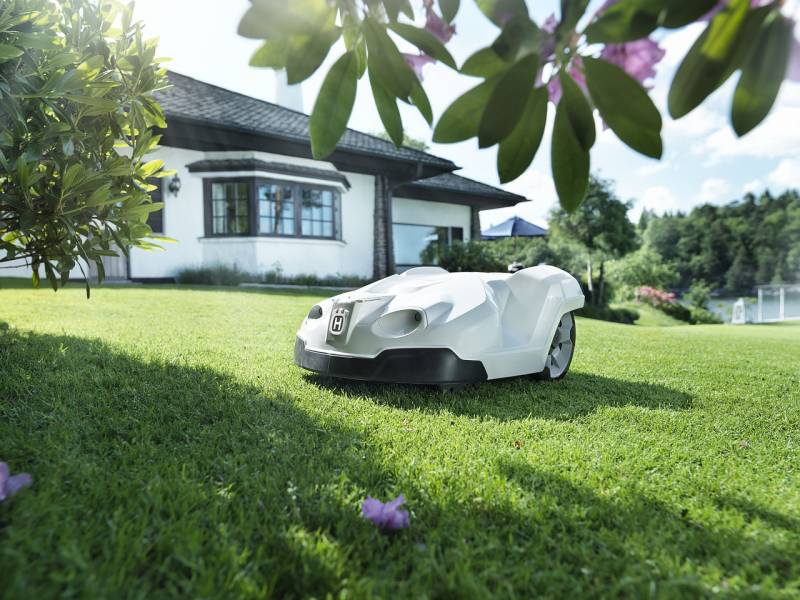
x=178 y=452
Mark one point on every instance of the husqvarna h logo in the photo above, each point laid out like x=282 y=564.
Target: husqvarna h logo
x=338 y=321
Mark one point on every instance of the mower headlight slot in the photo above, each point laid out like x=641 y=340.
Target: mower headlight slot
x=315 y=312
x=399 y=323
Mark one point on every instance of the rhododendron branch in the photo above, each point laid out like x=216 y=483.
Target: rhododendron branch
x=741 y=35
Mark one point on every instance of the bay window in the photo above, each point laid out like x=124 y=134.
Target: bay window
x=254 y=206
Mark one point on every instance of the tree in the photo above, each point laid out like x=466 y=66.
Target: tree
x=645 y=266
x=76 y=119
x=604 y=66
x=601 y=226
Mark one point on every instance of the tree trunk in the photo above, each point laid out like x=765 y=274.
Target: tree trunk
x=589 y=283
x=602 y=284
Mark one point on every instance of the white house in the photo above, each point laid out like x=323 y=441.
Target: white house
x=251 y=196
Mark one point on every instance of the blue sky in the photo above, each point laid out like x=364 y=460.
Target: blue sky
x=703 y=160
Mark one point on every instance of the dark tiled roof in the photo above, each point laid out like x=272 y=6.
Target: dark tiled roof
x=254 y=164
x=189 y=98
x=456 y=183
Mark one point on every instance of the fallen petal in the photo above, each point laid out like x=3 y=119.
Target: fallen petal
x=16 y=482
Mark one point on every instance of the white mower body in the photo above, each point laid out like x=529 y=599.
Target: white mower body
x=429 y=326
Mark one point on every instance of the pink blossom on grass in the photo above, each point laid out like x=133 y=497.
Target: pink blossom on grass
x=386 y=517
x=11 y=484
x=638 y=58
x=417 y=61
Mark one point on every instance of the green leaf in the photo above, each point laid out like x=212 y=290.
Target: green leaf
x=625 y=21
x=385 y=62
x=449 y=9
x=461 y=119
x=306 y=54
x=517 y=151
x=710 y=60
x=500 y=11
x=484 y=63
x=507 y=102
x=333 y=106
x=569 y=161
x=520 y=37
x=625 y=106
x=148 y=169
x=386 y=104
x=762 y=75
x=7 y=52
x=272 y=54
x=103 y=104
x=420 y=99
x=571 y=12
x=425 y=41
x=679 y=13
x=578 y=111
x=282 y=18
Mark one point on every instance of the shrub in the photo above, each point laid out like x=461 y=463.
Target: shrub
x=277 y=277
x=470 y=256
x=625 y=316
x=699 y=295
x=215 y=275
x=645 y=267
x=703 y=316
x=76 y=81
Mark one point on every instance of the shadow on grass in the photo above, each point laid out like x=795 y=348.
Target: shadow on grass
x=154 y=478
x=576 y=395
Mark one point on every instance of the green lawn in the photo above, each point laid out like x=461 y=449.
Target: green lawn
x=177 y=451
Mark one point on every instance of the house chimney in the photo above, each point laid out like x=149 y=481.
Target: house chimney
x=289 y=96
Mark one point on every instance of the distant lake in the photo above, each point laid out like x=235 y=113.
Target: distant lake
x=723 y=306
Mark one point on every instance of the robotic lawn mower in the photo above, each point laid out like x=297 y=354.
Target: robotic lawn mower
x=428 y=326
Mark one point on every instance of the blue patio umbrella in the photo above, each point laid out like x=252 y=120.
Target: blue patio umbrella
x=513 y=227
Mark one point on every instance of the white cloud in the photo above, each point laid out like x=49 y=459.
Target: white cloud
x=786 y=175
x=540 y=190
x=658 y=199
x=713 y=190
x=753 y=187
x=777 y=136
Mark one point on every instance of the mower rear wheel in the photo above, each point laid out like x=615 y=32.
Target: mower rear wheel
x=562 y=349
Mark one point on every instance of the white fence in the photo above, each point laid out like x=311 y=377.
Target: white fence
x=778 y=303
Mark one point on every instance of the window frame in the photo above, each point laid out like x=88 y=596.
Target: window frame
x=252 y=203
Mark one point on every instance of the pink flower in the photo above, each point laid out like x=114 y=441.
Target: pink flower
x=11 y=484
x=638 y=58
x=576 y=71
x=793 y=70
x=655 y=297
x=386 y=517
x=436 y=25
x=417 y=61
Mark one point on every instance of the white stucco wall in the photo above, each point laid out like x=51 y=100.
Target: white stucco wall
x=437 y=214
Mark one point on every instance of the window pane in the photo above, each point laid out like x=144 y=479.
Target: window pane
x=317 y=210
x=415 y=244
x=229 y=207
x=275 y=209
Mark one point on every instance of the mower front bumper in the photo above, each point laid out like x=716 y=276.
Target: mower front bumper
x=427 y=366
